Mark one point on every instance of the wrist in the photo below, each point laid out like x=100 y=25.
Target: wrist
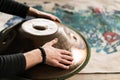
x=32 y=12
x=39 y=56
x=43 y=53
x=33 y=58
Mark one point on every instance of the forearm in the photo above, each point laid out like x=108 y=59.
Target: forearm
x=17 y=63
x=14 y=8
x=33 y=58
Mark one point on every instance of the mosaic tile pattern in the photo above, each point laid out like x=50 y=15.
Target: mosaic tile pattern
x=101 y=29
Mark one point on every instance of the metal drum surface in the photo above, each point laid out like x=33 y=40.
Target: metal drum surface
x=39 y=31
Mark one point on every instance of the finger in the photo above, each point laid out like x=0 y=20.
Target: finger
x=54 y=41
x=66 y=62
x=70 y=58
x=54 y=18
x=60 y=65
x=66 y=52
x=58 y=20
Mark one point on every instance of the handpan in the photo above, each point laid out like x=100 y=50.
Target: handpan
x=39 y=31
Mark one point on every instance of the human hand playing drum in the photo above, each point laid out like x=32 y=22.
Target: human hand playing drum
x=16 y=63
x=57 y=57
x=39 y=14
x=54 y=57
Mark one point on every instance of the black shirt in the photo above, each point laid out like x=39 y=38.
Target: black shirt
x=15 y=63
x=13 y=7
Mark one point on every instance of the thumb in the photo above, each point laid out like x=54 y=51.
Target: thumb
x=54 y=41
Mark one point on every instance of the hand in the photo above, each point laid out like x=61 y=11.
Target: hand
x=39 y=14
x=57 y=57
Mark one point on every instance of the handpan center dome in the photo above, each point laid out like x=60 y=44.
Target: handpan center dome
x=40 y=27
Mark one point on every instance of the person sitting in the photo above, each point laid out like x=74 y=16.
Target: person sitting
x=17 y=63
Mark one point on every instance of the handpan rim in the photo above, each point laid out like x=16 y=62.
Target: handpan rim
x=85 y=61
x=76 y=69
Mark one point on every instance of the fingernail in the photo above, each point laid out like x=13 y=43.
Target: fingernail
x=56 y=39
